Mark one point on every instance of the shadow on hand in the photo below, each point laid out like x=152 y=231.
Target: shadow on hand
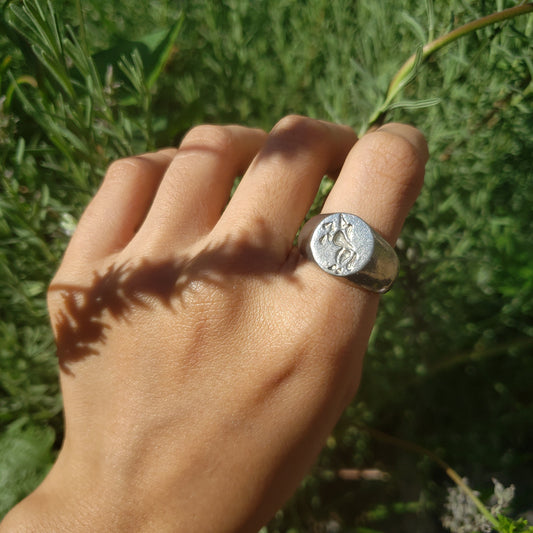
x=81 y=324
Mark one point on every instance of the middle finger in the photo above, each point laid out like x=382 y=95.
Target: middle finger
x=282 y=181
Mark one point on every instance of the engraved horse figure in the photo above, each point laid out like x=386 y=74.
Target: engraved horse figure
x=342 y=236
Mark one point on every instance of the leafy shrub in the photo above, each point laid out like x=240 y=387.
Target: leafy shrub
x=449 y=366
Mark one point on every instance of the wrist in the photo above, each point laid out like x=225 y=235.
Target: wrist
x=62 y=504
x=29 y=515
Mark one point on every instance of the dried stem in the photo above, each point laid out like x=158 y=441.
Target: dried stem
x=450 y=472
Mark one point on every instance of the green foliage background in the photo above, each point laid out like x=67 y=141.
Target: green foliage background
x=449 y=366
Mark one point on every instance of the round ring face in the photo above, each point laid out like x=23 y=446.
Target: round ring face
x=342 y=244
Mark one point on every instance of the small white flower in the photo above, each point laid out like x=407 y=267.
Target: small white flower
x=68 y=224
x=501 y=498
x=462 y=515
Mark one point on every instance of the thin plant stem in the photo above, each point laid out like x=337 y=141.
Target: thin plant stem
x=450 y=472
x=476 y=355
x=83 y=34
x=404 y=74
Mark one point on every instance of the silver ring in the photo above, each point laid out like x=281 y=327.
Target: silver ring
x=344 y=245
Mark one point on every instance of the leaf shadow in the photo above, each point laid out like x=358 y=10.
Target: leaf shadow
x=82 y=325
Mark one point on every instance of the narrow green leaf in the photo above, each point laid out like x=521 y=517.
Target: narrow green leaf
x=163 y=52
x=414 y=104
x=415 y=26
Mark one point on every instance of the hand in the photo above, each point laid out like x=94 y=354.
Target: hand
x=203 y=361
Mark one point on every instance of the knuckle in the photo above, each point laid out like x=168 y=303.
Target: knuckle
x=394 y=156
x=297 y=129
x=212 y=311
x=209 y=299
x=290 y=122
x=396 y=149
x=169 y=152
x=129 y=167
x=295 y=134
x=209 y=137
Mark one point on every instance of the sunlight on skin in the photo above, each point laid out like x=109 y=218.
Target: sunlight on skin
x=203 y=361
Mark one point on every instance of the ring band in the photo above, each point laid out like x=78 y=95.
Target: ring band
x=345 y=246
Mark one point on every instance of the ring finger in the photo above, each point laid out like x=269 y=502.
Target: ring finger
x=381 y=178
x=379 y=182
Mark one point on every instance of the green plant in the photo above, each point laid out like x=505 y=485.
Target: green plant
x=449 y=364
x=26 y=455
x=60 y=124
x=408 y=71
x=84 y=112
